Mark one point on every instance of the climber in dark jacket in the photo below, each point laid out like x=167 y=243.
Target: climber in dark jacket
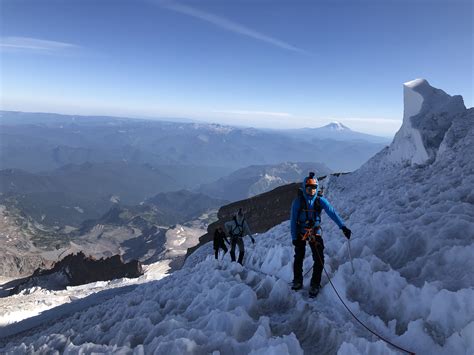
x=238 y=228
x=220 y=239
x=306 y=225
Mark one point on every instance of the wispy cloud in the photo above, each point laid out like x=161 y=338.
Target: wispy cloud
x=255 y=113
x=34 y=45
x=231 y=26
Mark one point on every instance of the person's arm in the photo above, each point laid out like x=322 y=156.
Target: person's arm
x=247 y=231
x=294 y=218
x=224 y=236
x=247 y=228
x=331 y=212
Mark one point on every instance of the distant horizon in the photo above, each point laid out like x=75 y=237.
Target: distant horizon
x=190 y=121
x=234 y=62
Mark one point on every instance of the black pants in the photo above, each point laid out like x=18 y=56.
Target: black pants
x=220 y=245
x=300 y=248
x=240 y=243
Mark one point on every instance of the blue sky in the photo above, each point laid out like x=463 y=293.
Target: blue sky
x=258 y=63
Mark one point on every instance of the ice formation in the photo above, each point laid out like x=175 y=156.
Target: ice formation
x=427 y=112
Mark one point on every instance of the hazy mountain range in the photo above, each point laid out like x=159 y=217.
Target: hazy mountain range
x=116 y=179
x=38 y=142
x=74 y=193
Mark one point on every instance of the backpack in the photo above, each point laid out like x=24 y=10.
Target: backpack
x=239 y=227
x=304 y=207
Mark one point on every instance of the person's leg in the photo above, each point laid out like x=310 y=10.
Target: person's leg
x=318 y=258
x=233 y=242
x=241 y=246
x=224 y=247
x=216 y=253
x=300 y=246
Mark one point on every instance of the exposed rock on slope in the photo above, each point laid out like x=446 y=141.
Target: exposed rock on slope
x=79 y=269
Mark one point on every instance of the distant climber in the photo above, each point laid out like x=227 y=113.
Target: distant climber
x=237 y=229
x=306 y=226
x=220 y=241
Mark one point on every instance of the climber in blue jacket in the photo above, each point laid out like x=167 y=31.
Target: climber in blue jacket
x=306 y=226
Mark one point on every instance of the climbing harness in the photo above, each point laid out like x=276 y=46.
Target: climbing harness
x=312 y=233
x=310 y=213
x=311 y=236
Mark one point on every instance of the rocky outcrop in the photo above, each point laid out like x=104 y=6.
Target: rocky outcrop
x=79 y=269
x=262 y=212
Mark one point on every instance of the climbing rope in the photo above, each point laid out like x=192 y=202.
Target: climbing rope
x=348 y=309
x=353 y=315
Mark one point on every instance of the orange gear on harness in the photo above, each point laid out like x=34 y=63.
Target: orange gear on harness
x=311 y=234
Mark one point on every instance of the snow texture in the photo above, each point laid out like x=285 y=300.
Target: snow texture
x=413 y=232
x=21 y=309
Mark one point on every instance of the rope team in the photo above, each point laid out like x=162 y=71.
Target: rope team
x=305 y=225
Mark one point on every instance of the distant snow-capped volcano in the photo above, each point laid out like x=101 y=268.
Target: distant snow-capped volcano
x=336 y=131
x=336 y=126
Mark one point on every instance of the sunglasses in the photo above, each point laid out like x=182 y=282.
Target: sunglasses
x=313 y=187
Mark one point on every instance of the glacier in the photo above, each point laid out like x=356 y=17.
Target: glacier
x=411 y=211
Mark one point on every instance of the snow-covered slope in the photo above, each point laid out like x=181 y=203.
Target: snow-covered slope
x=413 y=231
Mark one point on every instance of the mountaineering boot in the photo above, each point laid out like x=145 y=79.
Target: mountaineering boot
x=241 y=257
x=313 y=291
x=297 y=285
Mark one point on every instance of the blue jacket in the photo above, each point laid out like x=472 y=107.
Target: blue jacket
x=316 y=217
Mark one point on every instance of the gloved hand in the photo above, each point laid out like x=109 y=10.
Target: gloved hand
x=347 y=232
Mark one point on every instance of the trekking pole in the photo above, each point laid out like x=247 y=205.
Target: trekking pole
x=350 y=253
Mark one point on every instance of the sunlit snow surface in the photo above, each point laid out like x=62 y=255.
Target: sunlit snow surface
x=413 y=231
x=35 y=301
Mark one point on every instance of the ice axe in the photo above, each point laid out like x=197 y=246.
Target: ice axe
x=350 y=253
